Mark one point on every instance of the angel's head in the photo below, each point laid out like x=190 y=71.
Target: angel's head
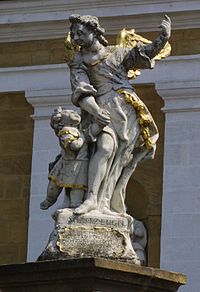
x=84 y=29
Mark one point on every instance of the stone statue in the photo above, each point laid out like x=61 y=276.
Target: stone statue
x=116 y=131
x=72 y=141
x=99 y=82
x=69 y=170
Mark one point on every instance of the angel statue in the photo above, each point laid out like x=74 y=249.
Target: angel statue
x=101 y=88
x=101 y=148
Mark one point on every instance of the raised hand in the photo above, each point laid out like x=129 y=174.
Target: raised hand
x=166 y=27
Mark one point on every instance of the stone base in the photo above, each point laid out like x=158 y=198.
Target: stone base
x=90 y=235
x=93 y=274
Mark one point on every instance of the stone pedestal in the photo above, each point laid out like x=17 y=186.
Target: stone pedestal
x=90 y=235
x=86 y=274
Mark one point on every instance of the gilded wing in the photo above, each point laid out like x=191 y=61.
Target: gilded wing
x=128 y=38
x=70 y=48
x=165 y=52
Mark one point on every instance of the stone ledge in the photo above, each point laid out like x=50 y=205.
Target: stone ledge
x=47 y=19
x=86 y=274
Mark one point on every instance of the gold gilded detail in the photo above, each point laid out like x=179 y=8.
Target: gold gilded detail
x=129 y=39
x=68 y=141
x=165 y=52
x=145 y=118
x=63 y=185
x=65 y=132
x=125 y=39
x=72 y=137
x=70 y=48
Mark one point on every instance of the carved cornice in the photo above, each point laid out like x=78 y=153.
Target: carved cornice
x=180 y=96
x=26 y=11
x=39 y=77
x=47 y=19
x=176 y=80
x=56 y=76
x=172 y=69
x=44 y=101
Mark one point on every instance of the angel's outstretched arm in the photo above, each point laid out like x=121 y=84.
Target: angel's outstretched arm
x=158 y=44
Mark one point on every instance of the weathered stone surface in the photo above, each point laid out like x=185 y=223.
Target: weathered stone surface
x=87 y=274
x=103 y=241
x=104 y=166
x=90 y=235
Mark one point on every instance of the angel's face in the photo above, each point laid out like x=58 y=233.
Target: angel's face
x=81 y=35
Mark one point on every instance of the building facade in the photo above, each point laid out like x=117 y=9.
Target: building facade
x=34 y=79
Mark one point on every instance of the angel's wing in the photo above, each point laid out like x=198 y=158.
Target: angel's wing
x=128 y=38
x=70 y=48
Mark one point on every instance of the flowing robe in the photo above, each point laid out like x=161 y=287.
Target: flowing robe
x=104 y=79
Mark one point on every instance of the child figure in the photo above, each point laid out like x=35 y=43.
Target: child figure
x=70 y=168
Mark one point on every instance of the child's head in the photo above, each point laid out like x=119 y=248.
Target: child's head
x=64 y=118
x=71 y=117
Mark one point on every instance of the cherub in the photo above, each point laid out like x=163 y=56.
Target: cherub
x=70 y=168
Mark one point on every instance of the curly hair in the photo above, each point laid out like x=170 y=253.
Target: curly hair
x=92 y=23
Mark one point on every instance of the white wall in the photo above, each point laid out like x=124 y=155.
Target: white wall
x=180 y=234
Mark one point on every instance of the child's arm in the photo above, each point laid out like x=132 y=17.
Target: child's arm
x=77 y=144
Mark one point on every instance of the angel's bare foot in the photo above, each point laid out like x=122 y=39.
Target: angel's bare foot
x=87 y=206
x=46 y=204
